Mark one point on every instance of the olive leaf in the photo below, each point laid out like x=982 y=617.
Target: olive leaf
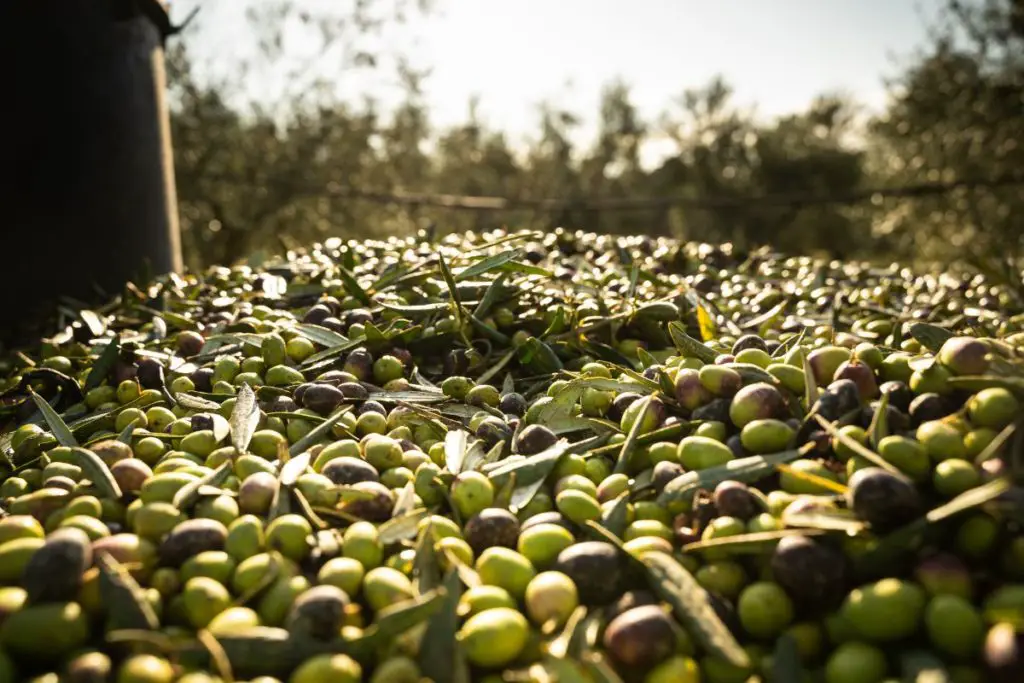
x=858 y=448
x=55 y=422
x=747 y=470
x=96 y=471
x=708 y=329
x=321 y=335
x=688 y=346
x=879 y=428
x=692 y=606
x=456 y=444
x=786 y=665
x=126 y=603
x=931 y=337
x=756 y=543
x=193 y=402
x=405 y=501
x=629 y=445
x=353 y=288
x=441 y=657
x=530 y=473
x=101 y=368
x=318 y=432
x=245 y=416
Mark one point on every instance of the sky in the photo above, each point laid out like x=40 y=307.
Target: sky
x=512 y=55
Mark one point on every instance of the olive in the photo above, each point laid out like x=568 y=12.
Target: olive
x=322 y=399
x=491 y=527
x=900 y=395
x=596 y=569
x=813 y=573
x=534 y=439
x=347 y=470
x=640 y=637
x=734 y=499
x=883 y=499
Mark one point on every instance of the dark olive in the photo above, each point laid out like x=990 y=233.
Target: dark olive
x=512 y=404
x=641 y=637
x=190 y=343
x=190 y=538
x=812 y=573
x=316 y=314
x=628 y=601
x=347 y=470
x=353 y=390
x=202 y=379
x=535 y=438
x=491 y=527
x=928 y=407
x=201 y=421
x=596 y=569
x=372 y=406
x=664 y=472
x=376 y=509
x=899 y=394
x=150 y=374
x=734 y=499
x=359 y=364
x=620 y=403
x=318 y=613
x=749 y=341
x=322 y=399
x=883 y=499
x=551 y=517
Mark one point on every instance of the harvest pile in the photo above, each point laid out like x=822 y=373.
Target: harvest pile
x=519 y=457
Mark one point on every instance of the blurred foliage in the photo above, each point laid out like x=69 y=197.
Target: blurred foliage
x=255 y=177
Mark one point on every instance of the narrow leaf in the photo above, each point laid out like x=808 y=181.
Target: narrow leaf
x=456 y=443
x=321 y=335
x=857 y=447
x=931 y=337
x=440 y=654
x=746 y=470
x=353 y=288
x=629 y=445
x=96 y=471
x=55 y=422
x=692 y=606
x=687 y=345
x=188 y=494
x=245 y=416
x=708 y=329
x=101 y=368
x=880 y=422
x=402 y=527
x=318 y=432
x=530 y=473
x=193 y=402
x=490 y=263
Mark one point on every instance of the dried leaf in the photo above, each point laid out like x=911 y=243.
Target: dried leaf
x=245 y=417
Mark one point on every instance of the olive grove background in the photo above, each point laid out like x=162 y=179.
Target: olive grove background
x=255 y=177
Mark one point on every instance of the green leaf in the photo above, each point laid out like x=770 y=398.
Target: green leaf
x=441 y=657
x=786 y=665
x=188 y=494
x=126 y=605
x=931 y=337
x=692 y=606
x=757 y=543
x=687 y=345
x=402 y=527
x=245 y=417
x=321 y=335
x=101 y=368
x=490 y=297
x=318 y=432
x=55 y=422
x=680 y=491
x=629 y=445
x=353 y=288
x=810 y=384
x=530 y=473
x=96 y=471
x=426 y=568
x=618 y=516
x=879 y=428
x=192 y=402
x=857 y=447
x=488 y=264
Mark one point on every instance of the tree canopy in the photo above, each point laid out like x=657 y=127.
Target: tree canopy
x=254 y=176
